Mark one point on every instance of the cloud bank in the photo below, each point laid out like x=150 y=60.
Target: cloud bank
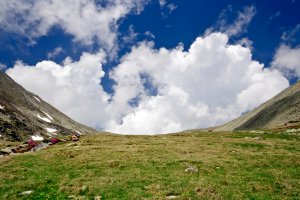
x=86 y=20
x=157 y=90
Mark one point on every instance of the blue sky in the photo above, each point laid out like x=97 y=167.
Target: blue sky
x=116 y=33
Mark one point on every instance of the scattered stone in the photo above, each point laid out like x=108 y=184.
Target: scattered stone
x=71 y=197
x=71 y=145
x=246 y=137
x=1 y=156
x=197 y=189
x=27 y=192
x=84 y=188
x=258 y=138
x=172 y=197
x=233 y=151
x=74 y=138
x=40 y=147
x=217 y=167
x=6 y=150
x=257 y=131
x=292 y=130
x=152 y=187
x=191 y=169
x=97 y=198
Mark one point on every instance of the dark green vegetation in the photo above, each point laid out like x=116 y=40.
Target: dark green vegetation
x=230 y=166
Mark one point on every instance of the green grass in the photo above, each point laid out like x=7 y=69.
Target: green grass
x=153 y=167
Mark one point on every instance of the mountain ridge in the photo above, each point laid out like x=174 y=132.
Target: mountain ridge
x=283 y=110
x=23 y=114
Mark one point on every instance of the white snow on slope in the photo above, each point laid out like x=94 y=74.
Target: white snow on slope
x=37 y=99
x=78 y=132
x=50 y=130
x=47 y=115
x=2 y=107
x=37 y=138
x=44 y=118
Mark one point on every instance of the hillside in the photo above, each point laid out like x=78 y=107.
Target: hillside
x=282 y=111
x=23 y=114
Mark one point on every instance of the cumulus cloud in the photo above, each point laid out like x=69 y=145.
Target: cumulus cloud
x=210 y=83
x=72 y=87
x=286 y=59
x=157 y=90
x=86 y=20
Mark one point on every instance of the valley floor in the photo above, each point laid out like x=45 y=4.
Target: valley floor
x=190 y=165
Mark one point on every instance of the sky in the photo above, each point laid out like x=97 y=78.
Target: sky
x=151 y=66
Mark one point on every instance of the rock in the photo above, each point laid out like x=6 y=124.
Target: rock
x=258 y=138
x=1 y=156
x=197 y=189
x=74 y=138
x=71 y=145
x=152 y=187
x=246 y=137
x=257 y=131
x=97 y=198
x=6 y=150
x=191 y=169
x=40 y=147
x=172 y=197
x=84 y=189
x=27 y=192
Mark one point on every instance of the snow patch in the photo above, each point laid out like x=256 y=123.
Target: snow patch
x=51 y=130
x=37 y=99
x=44 y=118
x=78 y=132
x=37 y=138
x=48 y=119
x=2 y=107
x=47 y=115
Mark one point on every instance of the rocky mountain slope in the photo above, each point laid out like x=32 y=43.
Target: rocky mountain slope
x=24 y=114
x=281 y=111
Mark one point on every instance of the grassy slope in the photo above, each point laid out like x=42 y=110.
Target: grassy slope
x=153 y=167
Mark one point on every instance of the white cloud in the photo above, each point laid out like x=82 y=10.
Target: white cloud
x=86 y=20
x=209 y=84
x=238 y=26
x=275 y=15
x=55 y=52
x=131 y=35
x=166 y=8
x=149 y=34
x=246 y=42
x=162 y=3
x=291 y=35
x=171 y=7
x=286 y=59
x=157 y=90
x=72 y=87
x=2 y=66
